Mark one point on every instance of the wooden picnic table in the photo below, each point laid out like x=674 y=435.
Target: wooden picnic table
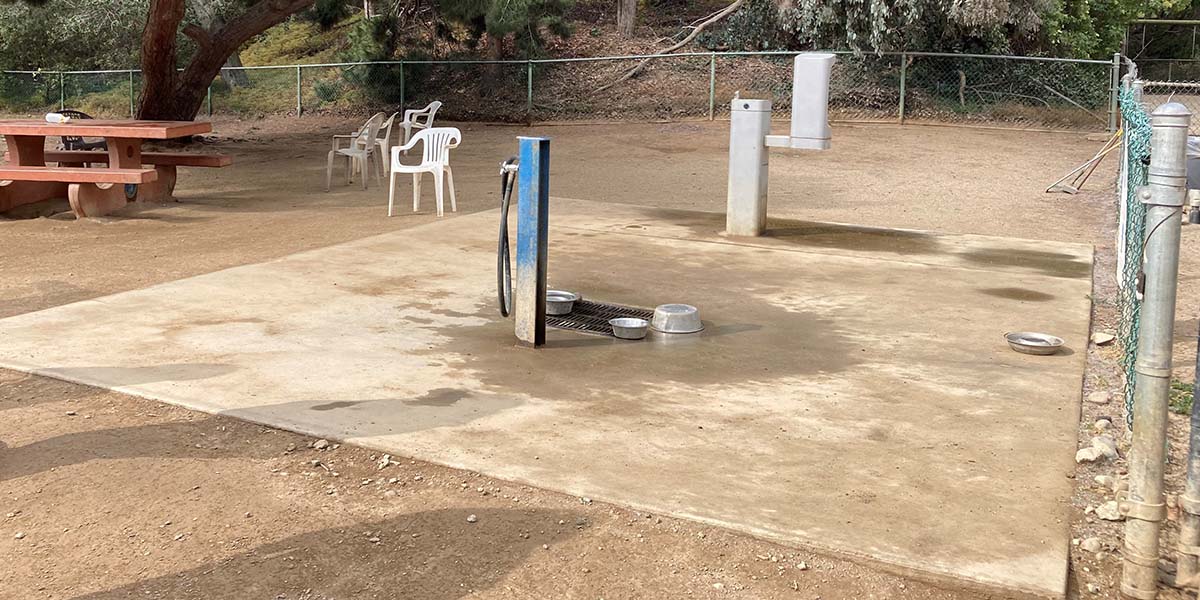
x=127 y=174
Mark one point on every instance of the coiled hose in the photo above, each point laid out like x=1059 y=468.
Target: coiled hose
x=508 y=176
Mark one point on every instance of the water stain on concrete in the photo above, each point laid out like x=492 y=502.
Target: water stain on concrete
x=1020 y=294
x=600 y=374
x=333 y=405
x=1053 y=264
x=438 y=397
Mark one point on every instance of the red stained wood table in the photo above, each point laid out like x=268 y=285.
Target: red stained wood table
x=117 y=176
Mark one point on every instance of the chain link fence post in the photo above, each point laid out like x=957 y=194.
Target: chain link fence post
x=903 y=82
x=712 y=86
x=132 y=101
x=62 y=91
x=402 y=85
x=1113 y=89
x=529 y=90
x=208 y=98
x=299 y=93
x=1144 y=507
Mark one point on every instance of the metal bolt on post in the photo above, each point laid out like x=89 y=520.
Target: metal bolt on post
x=1143 y=505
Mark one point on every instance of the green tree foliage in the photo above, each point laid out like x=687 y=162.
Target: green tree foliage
x=328 y=13
x=525 y=21
x=888 y=25
x=1096 y=28
x=70 y=34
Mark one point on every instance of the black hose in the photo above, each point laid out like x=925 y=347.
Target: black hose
x=508 y=175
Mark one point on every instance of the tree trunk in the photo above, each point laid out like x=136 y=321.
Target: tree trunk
x=626 y=17
x=233 y=73
x=168 y=94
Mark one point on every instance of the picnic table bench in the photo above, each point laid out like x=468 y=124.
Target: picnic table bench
x=127 y=174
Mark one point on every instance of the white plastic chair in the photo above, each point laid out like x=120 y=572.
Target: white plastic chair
x=435 y=159
x=358 y=155
x=419 y=119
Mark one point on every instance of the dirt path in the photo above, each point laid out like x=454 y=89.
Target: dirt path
x=91 y=479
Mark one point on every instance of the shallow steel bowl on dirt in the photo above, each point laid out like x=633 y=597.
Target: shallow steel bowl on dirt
x=559 y=302
x=676 y=318
x=1030 y=342
x=629 y=328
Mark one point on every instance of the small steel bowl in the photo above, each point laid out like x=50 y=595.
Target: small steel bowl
x=1029 y=342
x=559 y=302
x=629 y=328
x=676 y=318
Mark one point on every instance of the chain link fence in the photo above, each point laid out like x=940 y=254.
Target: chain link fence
x=1135 y=155
x=966 y=89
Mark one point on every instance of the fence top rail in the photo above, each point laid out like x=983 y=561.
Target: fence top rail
x=537 y=61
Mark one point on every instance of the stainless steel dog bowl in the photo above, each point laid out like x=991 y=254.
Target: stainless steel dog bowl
x=559 y=302
x=676 y=318
x=629 y=328
x=1029 y=342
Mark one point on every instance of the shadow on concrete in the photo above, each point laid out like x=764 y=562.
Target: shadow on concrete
x=431 y=555
x=127 y=376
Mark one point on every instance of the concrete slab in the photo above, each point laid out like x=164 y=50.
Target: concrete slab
x=851 y=391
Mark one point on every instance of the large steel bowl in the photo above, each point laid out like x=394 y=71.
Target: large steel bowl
x=559 y=302
x=1031 y=342
x=676 y=318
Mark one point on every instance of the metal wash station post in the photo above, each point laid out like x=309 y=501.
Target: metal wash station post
x=749 y=139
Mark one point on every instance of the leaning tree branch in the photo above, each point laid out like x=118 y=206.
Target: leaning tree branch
x=717 y=16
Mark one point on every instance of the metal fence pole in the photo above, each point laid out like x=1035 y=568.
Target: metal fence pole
x=1143 y=506
x=62 y=91
x=712 y=86
x=209 y=99
x=401 y=85
x=1114 y=85
x=903 y=81
x=528 y=89
x=132 y=108
x=1188 y=564
x=299 y=94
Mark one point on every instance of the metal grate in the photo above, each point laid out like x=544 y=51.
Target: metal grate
x=592 y=317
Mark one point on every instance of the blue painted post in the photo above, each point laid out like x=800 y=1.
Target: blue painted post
x=533 y=228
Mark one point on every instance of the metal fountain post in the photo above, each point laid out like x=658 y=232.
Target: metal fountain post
x=749 y=129
x=1143 y=506
x=533 y=227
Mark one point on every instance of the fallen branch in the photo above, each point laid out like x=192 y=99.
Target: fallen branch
x=717 y=16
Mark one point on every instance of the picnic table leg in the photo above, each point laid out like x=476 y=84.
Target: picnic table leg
x=98 y=199
x=27 y=150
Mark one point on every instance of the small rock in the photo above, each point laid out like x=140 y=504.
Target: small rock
x=1088 y=454
x=417 y=478
x=585 y=500
x=1103 y=424
x=1091 y=544
x=801 y=566
x=1107 y=445
x=373 y=540
x=71 y=413
x=290 y=448
x=1109 y=511
x=178 y=537
x=1104 y=480
x=1099 y=397
x=472 y=519
x=20 y=535
x=718 y=586
x=1093 y=588
x=320 y=444
x=1103 y=338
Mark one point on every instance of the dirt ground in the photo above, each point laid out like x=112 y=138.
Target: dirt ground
x=114 y=496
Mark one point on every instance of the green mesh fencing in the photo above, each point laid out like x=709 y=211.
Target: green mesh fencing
x=1136 y=136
